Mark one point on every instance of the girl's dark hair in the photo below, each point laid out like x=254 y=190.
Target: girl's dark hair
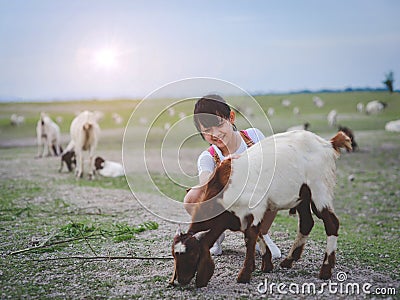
x=207 y=110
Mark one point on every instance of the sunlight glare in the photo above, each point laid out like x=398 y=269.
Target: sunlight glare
x=106 y=58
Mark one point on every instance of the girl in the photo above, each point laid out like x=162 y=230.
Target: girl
x=214 y=120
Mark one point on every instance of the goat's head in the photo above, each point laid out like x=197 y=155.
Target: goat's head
x=99 y=163
x=191 y=256
x=69 y=159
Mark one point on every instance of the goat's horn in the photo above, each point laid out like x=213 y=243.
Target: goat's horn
x=179 y=231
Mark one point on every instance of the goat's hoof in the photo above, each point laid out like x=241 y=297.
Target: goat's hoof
x=287 y=263
x=267 y=267
x=326 y=272
x=244 y=277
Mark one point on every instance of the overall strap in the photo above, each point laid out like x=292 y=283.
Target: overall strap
x=247 y=139
x=215 y=155
x=245 y=136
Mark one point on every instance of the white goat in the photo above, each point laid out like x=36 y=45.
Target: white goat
x=270 y=112
x=318 y=102
x=374 y=107
x=393 y=126
x=48 y=136
x=332 y=118
x=16 y=120
x=118 y=120
x=286 y=102
x=85 y=133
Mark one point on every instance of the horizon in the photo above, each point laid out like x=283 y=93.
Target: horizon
x=74 y=50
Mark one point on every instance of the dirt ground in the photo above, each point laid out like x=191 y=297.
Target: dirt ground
x=149 y=278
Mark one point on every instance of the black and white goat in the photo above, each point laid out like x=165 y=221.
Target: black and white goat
x=69 y=159
x=108 y=168
x=292 y=170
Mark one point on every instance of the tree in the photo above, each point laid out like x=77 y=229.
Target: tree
x=389 y=81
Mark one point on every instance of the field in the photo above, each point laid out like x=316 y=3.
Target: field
x=66 y=238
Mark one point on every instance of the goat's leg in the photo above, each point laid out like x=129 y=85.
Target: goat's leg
x=250 y=235
x=91 y=163
x=331 y=224
x=79 y=164
x=49 y=147
x=306 y=223
x=266 y=254
x=40 y=147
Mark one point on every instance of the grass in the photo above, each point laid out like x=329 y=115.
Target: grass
x=344 y=103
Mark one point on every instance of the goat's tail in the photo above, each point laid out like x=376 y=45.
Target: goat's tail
x=341 y=140
x=87 y=129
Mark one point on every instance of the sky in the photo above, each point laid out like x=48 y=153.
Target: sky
x=68 y=49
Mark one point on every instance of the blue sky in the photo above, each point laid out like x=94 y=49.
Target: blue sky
x=53 y=49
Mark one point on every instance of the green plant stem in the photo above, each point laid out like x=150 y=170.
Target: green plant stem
x=106 y=258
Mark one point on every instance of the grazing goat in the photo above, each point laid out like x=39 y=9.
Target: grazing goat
x=393 y=126
x=332 y=118
x=48 y=136
x=118 y=120
x=288 y=170
x=286 y=102
x=374 y=107
x=16 y=120
x=84 y=132
x=271 y=112
x=69 y=159
x=360 y=107
x=108 y=168
x=318 y=102
x=347 y=131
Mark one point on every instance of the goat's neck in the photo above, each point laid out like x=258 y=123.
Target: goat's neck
x=215 y=226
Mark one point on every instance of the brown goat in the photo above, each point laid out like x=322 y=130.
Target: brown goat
x=309 y=188
x=350 y=134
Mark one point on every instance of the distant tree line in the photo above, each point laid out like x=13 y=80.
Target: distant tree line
x=389 y=80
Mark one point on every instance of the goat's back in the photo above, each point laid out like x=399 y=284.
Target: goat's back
x=269 y=175
x=84 y=130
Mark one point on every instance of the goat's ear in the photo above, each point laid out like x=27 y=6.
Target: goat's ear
x=200 y=235
x=224 y=171
x=179 y=230
x=205 y=267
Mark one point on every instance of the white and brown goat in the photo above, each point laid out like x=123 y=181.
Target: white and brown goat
x=85 y=133
x=292 y=170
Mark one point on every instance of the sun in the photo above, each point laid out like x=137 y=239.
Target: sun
x=106 y=58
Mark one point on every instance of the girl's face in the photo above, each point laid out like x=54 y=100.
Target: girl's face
x=221 y=134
